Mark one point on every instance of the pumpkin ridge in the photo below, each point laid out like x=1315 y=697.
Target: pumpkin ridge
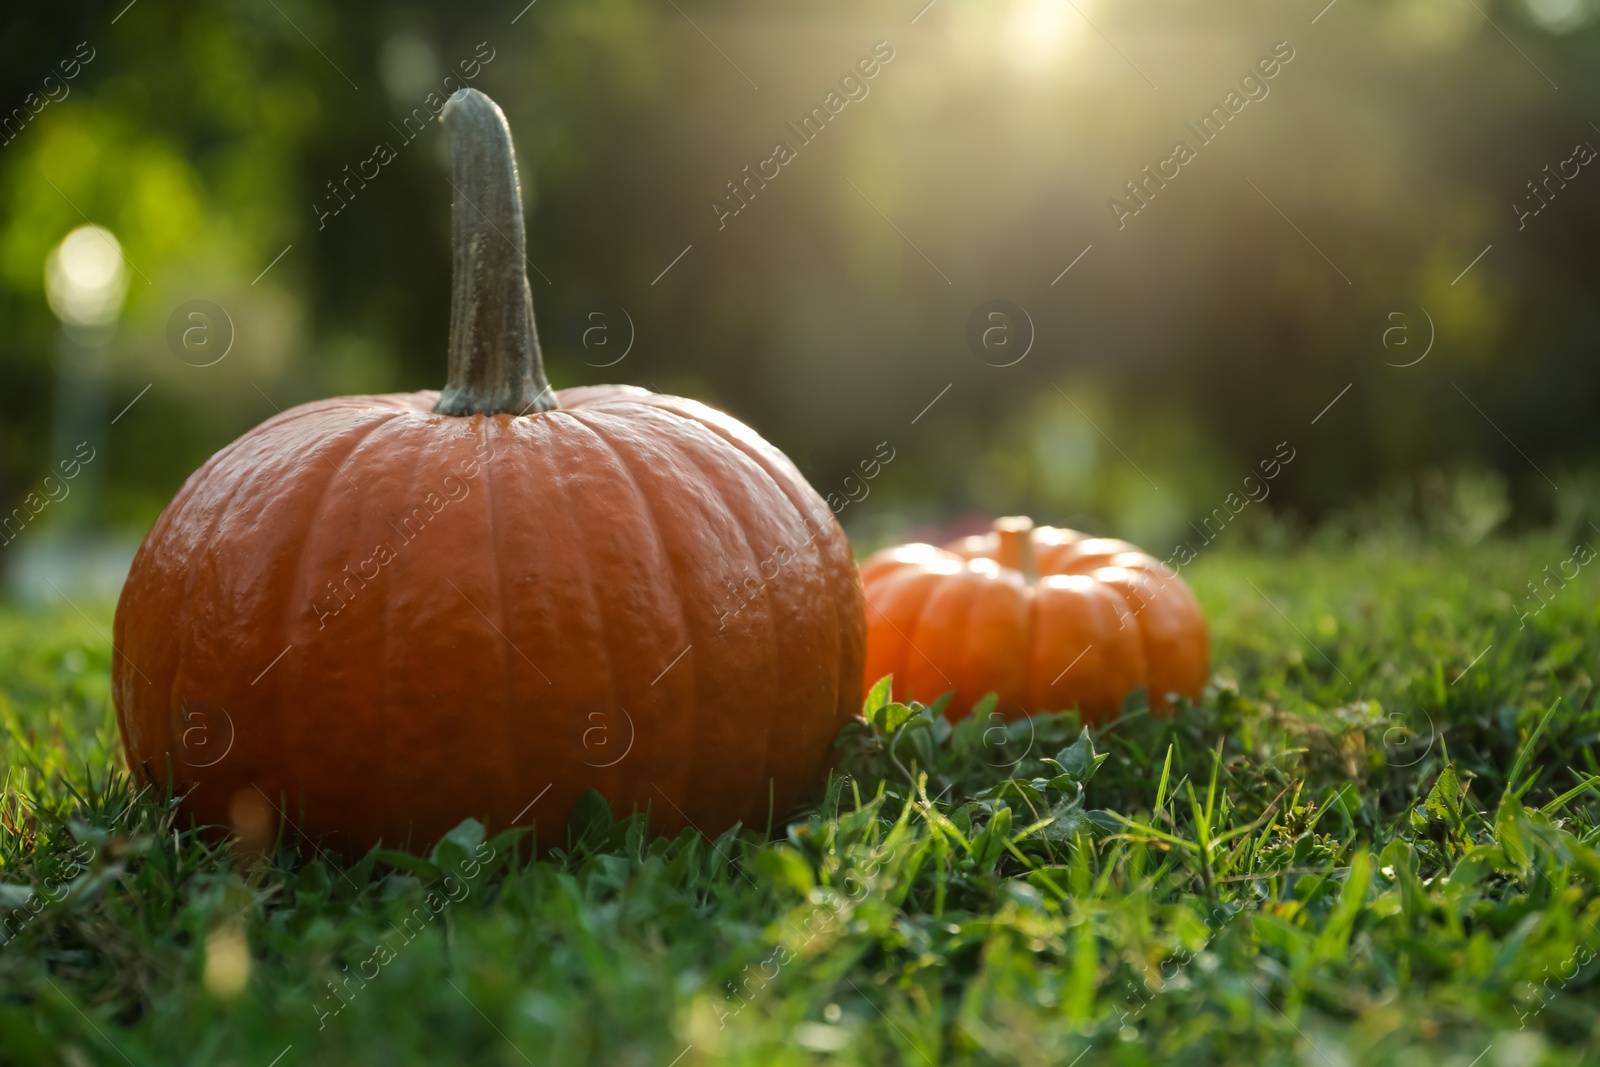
x=774 y=643
x=759 y=450
x=335 y=405
x=653 y=524
x=294 y=769
x=772 y=631
x=831 y=570
x=1000 y=588
x=405 y=707
x=381 y=705
x=964 y=666
x=765 y=462
x=685 y=786
x=191 y=485
x=974 y=590
x=600 y=397
x=1031 y=692
x=386 y=629
x=967 y=642
x=845 y=576
x=486 y=433
x=737 y=523
x=884 y=589
x=251 y=476
x=911 y=616
x=285 y=757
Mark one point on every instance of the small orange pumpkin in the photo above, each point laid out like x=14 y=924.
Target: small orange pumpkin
x=1049 y=619
x=380 y=615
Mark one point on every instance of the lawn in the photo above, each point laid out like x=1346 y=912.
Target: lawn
x=1375 y=841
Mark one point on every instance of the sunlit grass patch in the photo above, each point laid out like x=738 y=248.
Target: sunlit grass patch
x=1374 y=841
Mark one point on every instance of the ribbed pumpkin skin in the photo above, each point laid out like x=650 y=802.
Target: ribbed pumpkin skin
x=1101 y=621
x=522 y=608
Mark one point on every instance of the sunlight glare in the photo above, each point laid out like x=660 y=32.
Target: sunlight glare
x=1037 y=33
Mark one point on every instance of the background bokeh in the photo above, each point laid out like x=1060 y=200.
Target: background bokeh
x=1170 y=360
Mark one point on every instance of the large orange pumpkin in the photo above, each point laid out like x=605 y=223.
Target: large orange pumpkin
x=1048 y=619
x=379 y=615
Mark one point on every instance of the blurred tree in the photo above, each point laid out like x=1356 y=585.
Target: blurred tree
x=1172 y=357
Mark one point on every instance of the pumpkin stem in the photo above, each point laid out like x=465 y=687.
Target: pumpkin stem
x=1015 y=533
x=495 y=366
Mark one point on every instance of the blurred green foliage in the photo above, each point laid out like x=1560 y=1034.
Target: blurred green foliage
x=1176 y=354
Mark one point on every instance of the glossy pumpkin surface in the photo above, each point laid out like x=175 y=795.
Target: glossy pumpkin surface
x=376 y=616
x=1048 y=619
x=475 y=614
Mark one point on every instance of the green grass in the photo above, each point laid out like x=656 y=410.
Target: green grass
x=1356 y=850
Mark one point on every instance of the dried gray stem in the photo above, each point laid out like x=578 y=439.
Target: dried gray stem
x=495 y=365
